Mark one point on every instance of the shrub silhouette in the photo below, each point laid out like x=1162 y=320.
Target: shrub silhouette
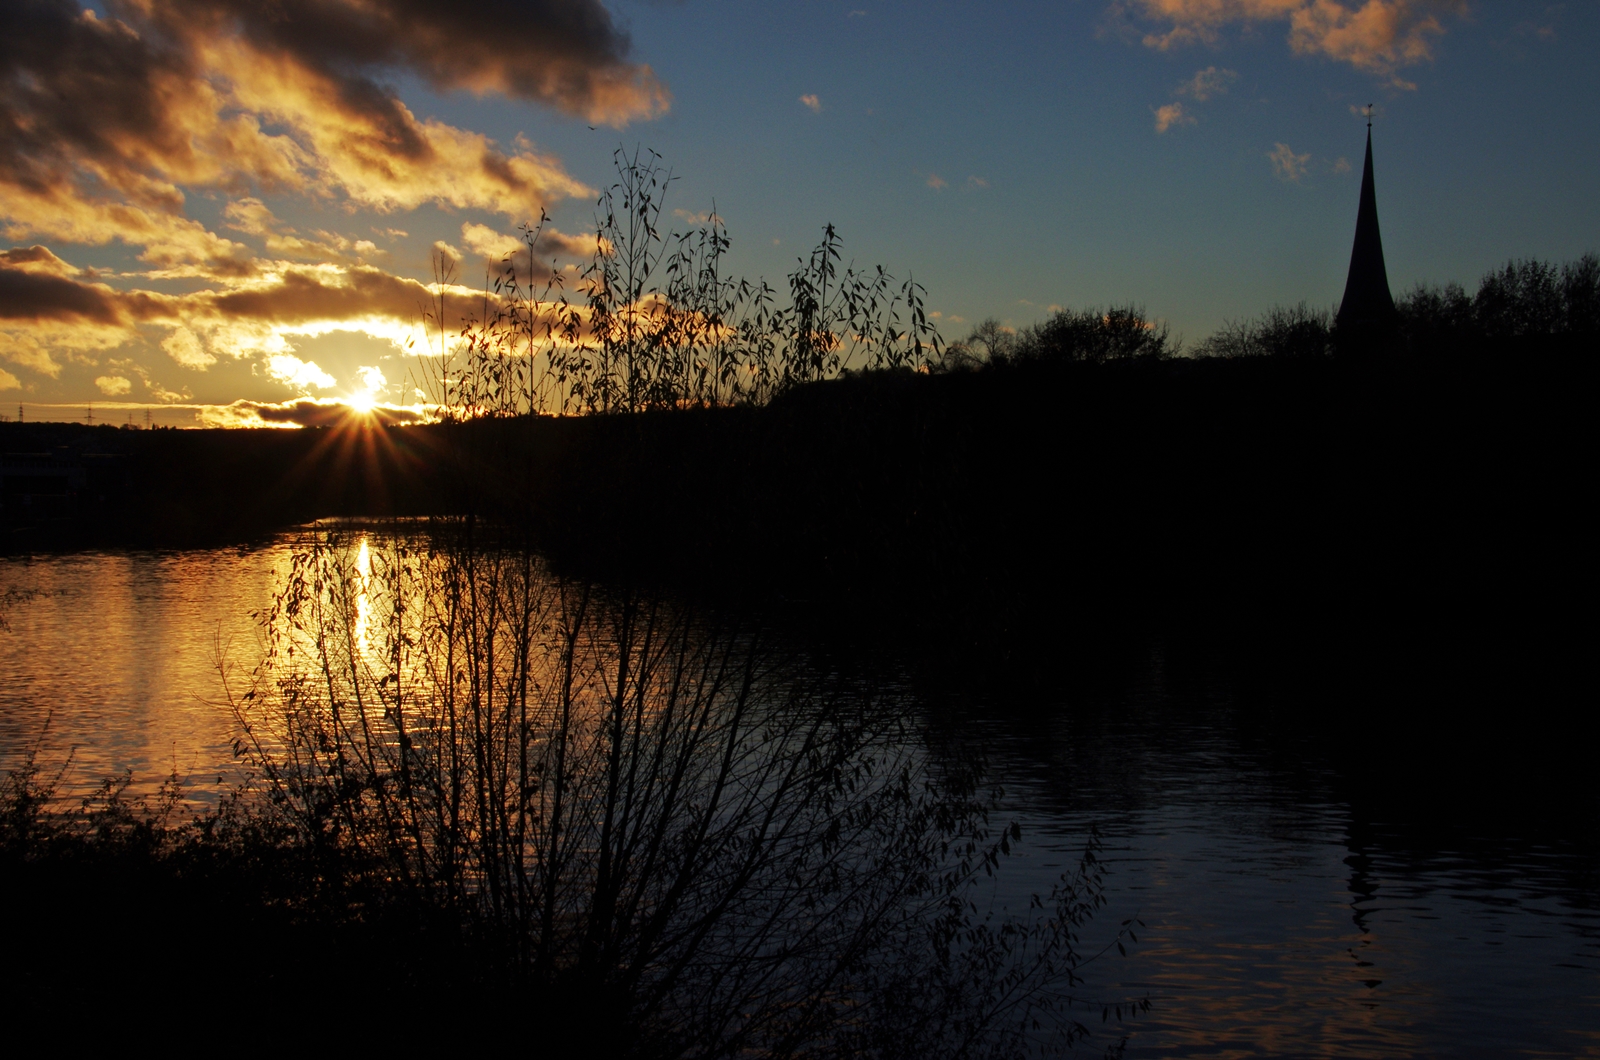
x=1296 y=331
x=654 y=823
x=1118 y=333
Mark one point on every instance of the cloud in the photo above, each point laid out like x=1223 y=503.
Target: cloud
x=1544 y=29
x=372 y=378
x=184 y=348
x=306 y=412
x=1376 y=36
x=9 y=381
x=812 y=103
x=936 y=182
x=500 y=251
x=1342 y=165
x=1171 y=114
x=307 y=299
x=977 y=183
x=565 y=54
x=106 y=122
x=252 y=216
x=157 y=391
x=44 y=315
x=1212 y=81
x=38 y=260
x=113 y=120
x=289 y=369
x=113 y=385
x=38 y=295
x=1286 y=164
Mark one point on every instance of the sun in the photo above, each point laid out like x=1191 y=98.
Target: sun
x=363 y=402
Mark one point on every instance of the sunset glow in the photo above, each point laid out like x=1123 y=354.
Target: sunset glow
x=278 y=201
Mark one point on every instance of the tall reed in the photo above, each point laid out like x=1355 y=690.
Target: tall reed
x=656 y=320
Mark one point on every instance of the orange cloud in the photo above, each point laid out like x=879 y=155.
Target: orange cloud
x=1171 y=114
x=500 y=250
x=1206 y=83
x=1378 y=36
x=1286 y=164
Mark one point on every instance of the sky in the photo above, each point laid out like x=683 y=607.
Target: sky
x=226 y=211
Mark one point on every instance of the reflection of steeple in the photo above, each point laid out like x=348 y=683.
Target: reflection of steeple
x=1367 y=300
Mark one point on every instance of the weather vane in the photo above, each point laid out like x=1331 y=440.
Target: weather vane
x=1369 y=115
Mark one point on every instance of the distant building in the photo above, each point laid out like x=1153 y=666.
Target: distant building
x=1367 y=303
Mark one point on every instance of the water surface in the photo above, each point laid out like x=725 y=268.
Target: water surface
x=1280 y=919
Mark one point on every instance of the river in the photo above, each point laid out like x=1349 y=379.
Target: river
x=1280 y=919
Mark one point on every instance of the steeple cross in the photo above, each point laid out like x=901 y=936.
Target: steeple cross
x=1369 y=115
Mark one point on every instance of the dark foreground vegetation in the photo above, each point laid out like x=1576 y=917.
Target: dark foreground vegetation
x=534 y=809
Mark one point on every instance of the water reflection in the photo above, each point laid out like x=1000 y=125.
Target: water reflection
x=1281 y=920
x=120 y=652
x=363 y=599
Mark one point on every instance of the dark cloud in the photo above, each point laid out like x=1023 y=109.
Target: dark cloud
x=28 y=294
x=37 y=258
x=76 y=88
x=35 y=297
x=289 y=301
x=302 y=296
x=104 y=121
x=568 y=54
x=310 y=412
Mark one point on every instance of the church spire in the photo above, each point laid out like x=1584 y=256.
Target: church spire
x=1367 y=300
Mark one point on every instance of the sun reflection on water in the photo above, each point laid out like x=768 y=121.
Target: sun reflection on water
x=363 y=581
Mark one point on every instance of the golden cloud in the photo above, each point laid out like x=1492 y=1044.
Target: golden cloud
x=41 y=312
x=302 y=375
x=184 y=348
x=1378 y=36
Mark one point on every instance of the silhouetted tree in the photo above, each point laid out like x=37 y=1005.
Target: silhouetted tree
x=1119 y=333
x=1520 y=302
x=1293 y=331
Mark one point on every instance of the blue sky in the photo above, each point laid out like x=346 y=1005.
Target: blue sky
x=1013 y=157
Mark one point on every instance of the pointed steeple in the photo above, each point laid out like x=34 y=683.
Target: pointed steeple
x=1367 y=300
